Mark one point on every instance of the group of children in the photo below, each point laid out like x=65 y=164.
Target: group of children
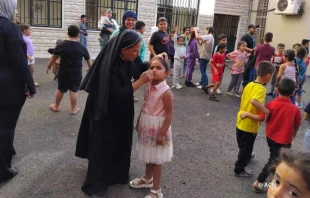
x=286 y=71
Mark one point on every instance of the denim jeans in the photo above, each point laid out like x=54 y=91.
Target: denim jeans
x=203 y=63
x=83 y=40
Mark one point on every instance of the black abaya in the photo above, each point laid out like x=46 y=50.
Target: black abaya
x=107 y=142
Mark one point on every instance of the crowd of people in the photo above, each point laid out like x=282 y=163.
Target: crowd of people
x=120 y=69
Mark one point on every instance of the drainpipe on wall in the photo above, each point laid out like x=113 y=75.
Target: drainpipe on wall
x=250 y=11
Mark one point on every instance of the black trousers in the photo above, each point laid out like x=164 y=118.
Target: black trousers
x=245 y=142
x=274 y=149
x=9 y=115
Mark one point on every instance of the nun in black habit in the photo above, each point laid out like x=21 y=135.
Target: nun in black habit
x=105 y=136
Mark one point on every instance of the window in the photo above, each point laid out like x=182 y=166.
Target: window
x=42 y=13
x=261 y=19
x=93 y=10
x=178 y=12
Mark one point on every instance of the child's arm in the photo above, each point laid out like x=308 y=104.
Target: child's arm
x=151 y=48
x=296 y=128
x=260 y=107
x=51 y=62
x=168 y=103
x=306 y=116
x=211 y=64
x=231 y=57
x=280 y=73
x=259 y=118
x=29 y=58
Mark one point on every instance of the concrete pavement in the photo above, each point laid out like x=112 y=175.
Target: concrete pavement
x=205 y=148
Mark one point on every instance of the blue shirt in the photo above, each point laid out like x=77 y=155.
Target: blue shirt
x=302 y=67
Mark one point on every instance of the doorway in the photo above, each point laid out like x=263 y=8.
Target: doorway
x=226 y=24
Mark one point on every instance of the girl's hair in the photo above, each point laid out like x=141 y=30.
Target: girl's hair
x=301 y=53
x=289 y=54
x=241 y=43
x=193 y=36
x=298 y=160
x=162 y=61
x=24 y=27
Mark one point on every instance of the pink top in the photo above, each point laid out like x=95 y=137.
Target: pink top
x=153 y=99
x=241 y=59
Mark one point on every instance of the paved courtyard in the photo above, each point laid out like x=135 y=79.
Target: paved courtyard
x=205 y=148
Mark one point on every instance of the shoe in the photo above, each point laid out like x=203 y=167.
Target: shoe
x=36 y=84
x=229 y=93
x=205 y=89
x=218 y=91
x=14 y=172
x=245 y=173
x=158 y=193
x=258 y=187
x=299 y=105
x=197 y=84
x=213 y=98
x=270 y=94
x=237 y=95
x=177 y=86
x=199 y=87
x=135 y=99
x=189 y=84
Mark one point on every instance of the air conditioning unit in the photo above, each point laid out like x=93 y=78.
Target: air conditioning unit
x=288 y=7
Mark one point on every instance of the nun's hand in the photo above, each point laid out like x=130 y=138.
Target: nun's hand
x=147 y=76
x=163 y=56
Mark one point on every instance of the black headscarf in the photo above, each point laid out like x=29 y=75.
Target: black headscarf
x=97 y=80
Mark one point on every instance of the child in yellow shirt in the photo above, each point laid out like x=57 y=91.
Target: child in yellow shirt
x=252 y=101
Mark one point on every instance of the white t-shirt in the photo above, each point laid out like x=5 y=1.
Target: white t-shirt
x=206 y=48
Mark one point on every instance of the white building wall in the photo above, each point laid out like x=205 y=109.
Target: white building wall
x=44 y=38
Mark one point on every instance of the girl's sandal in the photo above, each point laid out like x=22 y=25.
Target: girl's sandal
x=141 y=183
x=158 y=193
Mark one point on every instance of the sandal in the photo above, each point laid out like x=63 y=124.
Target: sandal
x=141 y=183
x=77 y=110
x=158 y=193
x=53 y=108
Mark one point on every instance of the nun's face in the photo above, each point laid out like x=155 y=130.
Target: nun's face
x=130 y=23
x=131 y=53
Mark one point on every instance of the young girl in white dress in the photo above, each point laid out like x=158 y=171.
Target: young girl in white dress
x=154 y=129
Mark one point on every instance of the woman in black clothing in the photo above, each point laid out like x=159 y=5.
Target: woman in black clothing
x=16 y=84
x=105 y=136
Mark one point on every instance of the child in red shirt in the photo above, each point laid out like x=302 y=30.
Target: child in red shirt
x=217 y=64
x=281 y=126
x=277 y=60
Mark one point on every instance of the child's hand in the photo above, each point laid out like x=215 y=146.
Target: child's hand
x=216 y=72
x=161 y=140
x=177 y=28
x=30 y=59
x=244 y=115
x=182 y=57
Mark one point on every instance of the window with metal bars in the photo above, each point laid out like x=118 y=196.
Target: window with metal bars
x=119 y=7
x=178 y=12
x=261 y=18
x=41 y=13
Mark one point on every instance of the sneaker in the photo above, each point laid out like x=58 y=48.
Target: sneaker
x=258 y=187
x=189 y=84
x=178 y=86
x=197 y=84
x=229 y=93
x=245 y=173
x=237 y=95
x=213 y=98
x=270 y=94
x=218 y=91
x=199 y=87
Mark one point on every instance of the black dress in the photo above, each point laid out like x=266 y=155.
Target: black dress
x=15 y=78
x=107 y=142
